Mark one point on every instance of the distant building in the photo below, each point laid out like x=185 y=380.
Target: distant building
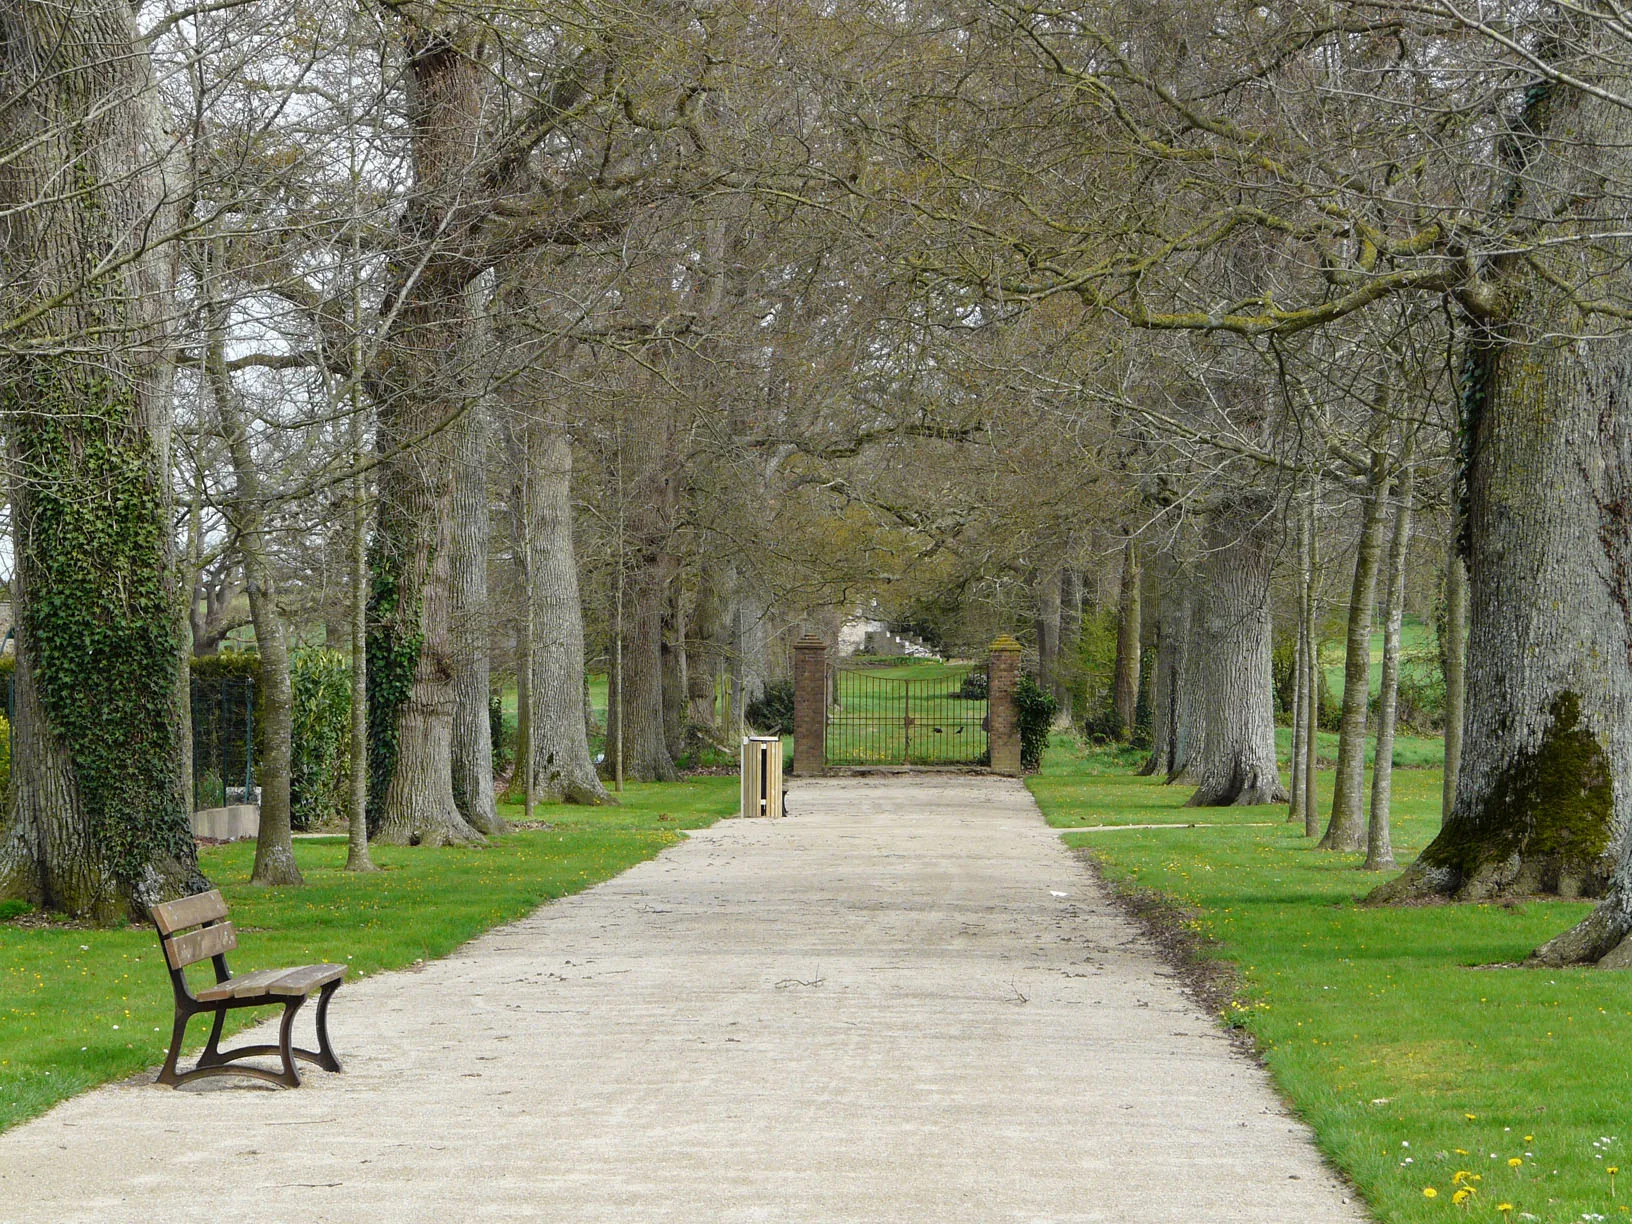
x=869 y=635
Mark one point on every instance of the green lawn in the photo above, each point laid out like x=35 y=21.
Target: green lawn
x=1410 y=751
x=870 y=725
x=1388 y=1030
x=1417 y=649
x=79 y=1007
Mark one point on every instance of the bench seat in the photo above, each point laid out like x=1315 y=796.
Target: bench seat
x=268 y=982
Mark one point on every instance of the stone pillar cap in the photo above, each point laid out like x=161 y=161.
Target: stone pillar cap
x=810 y=642
x=1004 y=641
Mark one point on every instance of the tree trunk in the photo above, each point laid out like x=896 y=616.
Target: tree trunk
x=357 y=856
x=675 y=671
x=472 y=763
x=1161 y=702
x=1347 y=827
x=1300 y=689
x=1311 y=696
x=703 y=653
x=420 y=389
x=1068 y=663
x=1238 y=764
x=1542 y=805
x=1379 y=841
x=1125 y=690
x=246 y=512
x=97 y=826
x=1048 y=627
x=541 y=455
x=1186 y=708
x=1456 y=672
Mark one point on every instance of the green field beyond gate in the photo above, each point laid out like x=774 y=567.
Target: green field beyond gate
x=910 y=713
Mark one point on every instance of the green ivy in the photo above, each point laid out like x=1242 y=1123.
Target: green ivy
x=1035 y=708
x=392 y=658
x=101 y=619
x=320 y=751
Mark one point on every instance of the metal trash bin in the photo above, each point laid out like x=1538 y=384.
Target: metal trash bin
x=762 y=775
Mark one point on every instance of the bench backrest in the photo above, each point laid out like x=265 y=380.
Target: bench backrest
x=193 y=928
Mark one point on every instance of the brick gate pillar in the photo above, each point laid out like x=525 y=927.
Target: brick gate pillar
x=1003 y=722
x=809 y=705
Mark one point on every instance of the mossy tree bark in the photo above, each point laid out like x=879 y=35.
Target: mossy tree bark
x=1542 y=805
x=97 y=826
x=1346 y=830
x=1237 y=763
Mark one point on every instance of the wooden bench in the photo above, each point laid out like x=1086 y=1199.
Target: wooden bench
x=195 y=929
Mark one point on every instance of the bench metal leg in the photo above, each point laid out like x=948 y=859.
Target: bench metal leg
x=325 y=1050
x=168 y=1073
x=211 y=1056
x=286 y=1031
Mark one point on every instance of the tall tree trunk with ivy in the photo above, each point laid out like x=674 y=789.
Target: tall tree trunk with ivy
x=97 y=826
x=420 y=389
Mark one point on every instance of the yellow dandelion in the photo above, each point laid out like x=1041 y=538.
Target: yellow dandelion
x=1429 y=1192
x=1514 y=1162
x=1470 y=1117
x=1460 y=1176
x=1529 y=1138
x=1461 y=1196
x=1504 y=1208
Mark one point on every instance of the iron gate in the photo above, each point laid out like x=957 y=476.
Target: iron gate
x=875 y=717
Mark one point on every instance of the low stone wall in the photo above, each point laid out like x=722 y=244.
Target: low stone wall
x=228 y=823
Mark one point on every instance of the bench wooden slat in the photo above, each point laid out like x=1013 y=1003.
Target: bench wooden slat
x=194 y=946
x=306 y=979
x=242 y=986
x=189 y=911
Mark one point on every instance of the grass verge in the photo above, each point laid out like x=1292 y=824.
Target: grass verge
x=81 y=1007
x=1412 y=1058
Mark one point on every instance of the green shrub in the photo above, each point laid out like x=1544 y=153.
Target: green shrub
x=1035 y=708
x=1092 y=673
x=772 y=713
x=209 y=791
x=976 y=685
x=320 y=752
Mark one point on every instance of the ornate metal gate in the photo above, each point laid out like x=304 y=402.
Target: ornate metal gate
x=878 y=716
